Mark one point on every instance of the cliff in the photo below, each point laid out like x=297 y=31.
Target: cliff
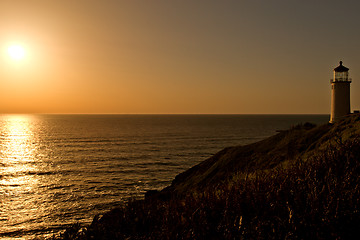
x=299 y=142
x=302 y=183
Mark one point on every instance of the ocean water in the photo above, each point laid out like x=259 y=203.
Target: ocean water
x=56 y=170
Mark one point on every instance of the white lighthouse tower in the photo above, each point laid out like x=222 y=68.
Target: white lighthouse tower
x=340 y=93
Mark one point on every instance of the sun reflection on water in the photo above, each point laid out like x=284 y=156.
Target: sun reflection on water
x=17 y=150
x=17 y=158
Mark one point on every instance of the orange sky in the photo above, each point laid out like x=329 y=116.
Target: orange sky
x=185 y=56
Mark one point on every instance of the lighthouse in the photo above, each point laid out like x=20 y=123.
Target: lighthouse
x=340 y=93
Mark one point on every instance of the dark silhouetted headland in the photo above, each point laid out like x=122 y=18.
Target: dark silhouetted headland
x=302 y=183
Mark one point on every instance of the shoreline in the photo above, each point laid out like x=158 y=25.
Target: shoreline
x=281 y=153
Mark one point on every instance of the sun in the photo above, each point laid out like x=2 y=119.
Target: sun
x=16 y=52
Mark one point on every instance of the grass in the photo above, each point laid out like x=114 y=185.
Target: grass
x=315 y=198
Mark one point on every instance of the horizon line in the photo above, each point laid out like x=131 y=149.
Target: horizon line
x=164 y=113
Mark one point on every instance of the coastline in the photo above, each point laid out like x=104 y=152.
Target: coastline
x=303 y=149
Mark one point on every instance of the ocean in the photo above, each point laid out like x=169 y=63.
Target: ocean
x=56 y=170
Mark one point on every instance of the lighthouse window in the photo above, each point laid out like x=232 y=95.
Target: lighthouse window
x=341 y=76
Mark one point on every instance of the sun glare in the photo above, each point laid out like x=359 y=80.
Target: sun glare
x=16 y=52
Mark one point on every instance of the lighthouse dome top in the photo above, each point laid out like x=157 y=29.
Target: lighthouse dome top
x=341 y=68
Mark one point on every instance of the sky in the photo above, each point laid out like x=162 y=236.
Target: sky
x=177 y=57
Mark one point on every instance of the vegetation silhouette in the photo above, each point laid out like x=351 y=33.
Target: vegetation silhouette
x=316 y=195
